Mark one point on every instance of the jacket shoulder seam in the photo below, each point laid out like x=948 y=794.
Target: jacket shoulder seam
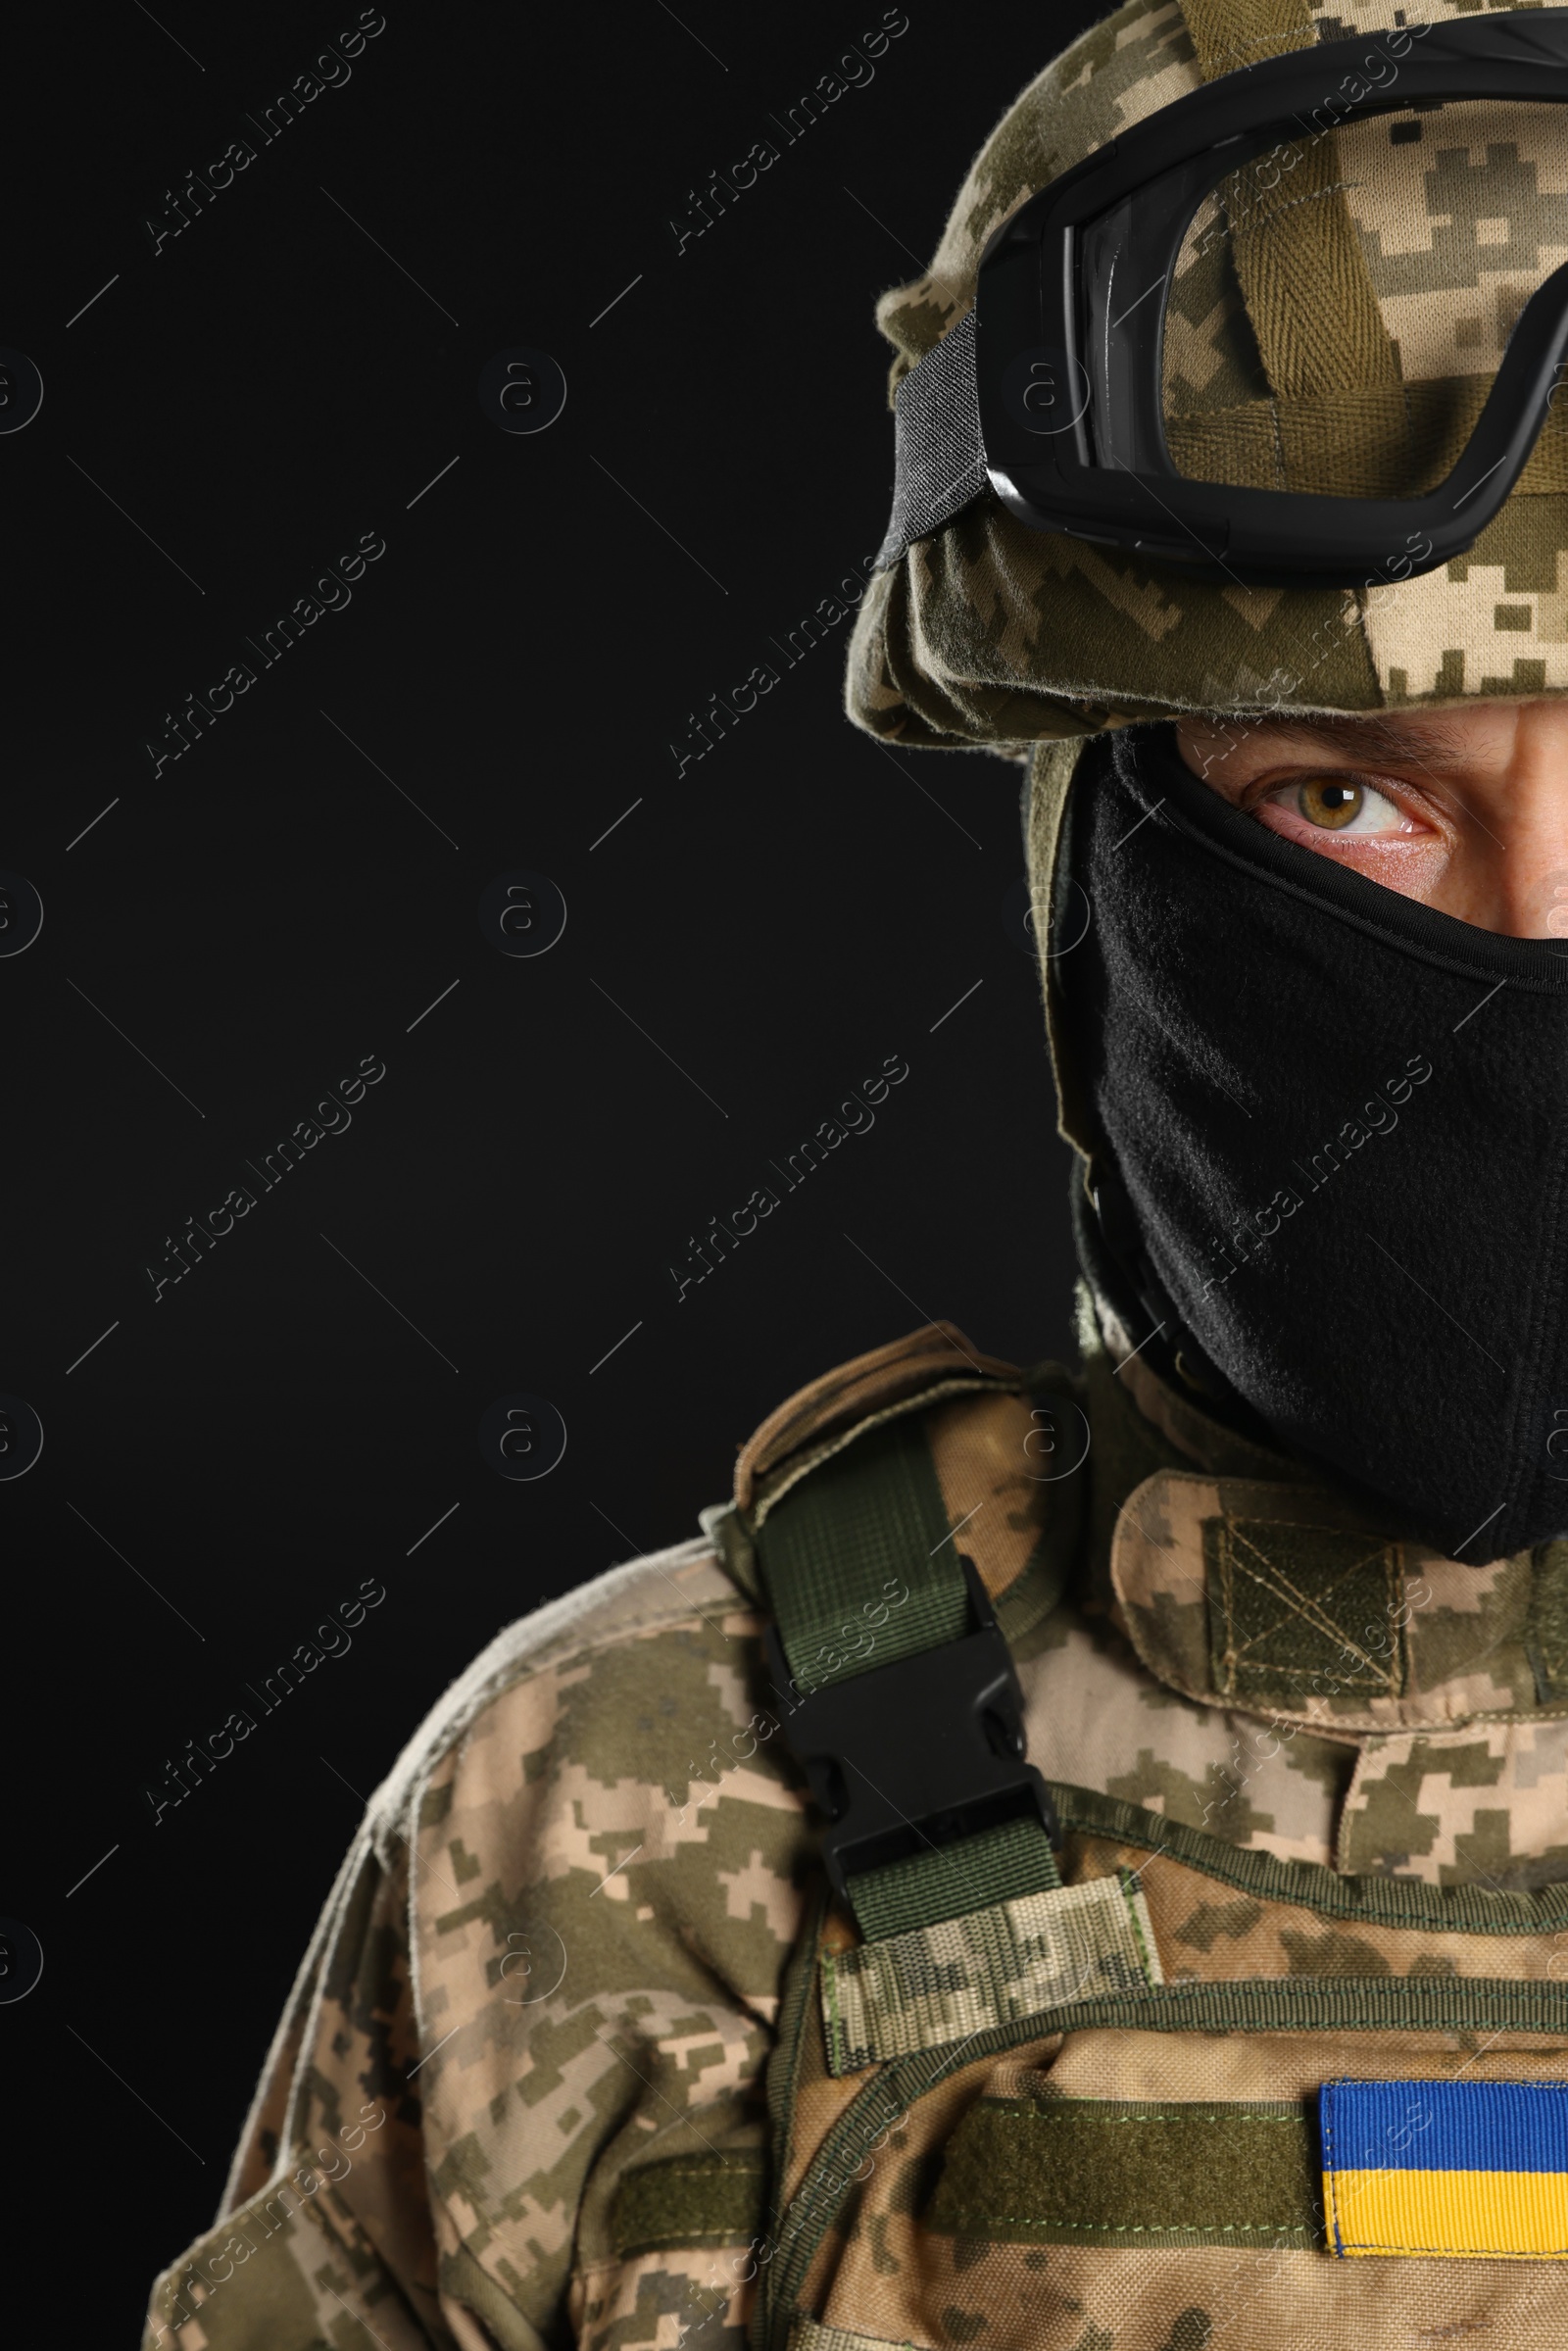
x=531 y=1644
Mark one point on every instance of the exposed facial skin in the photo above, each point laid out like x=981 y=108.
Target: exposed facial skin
x=1465 y=808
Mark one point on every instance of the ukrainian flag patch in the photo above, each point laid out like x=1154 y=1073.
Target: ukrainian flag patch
x=1446 y=2167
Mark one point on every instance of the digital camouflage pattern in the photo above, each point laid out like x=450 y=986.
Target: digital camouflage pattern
x=936 y=1984
x=994 y=2276
x=1487 y=1802
x=990 y=633
x=579 y=2052
x=521 y=2092
x=559 y=1933
x=1296 y=1601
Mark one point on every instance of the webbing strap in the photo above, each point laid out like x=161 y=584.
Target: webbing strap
x=1230 y=35
x=939 y=452
x=859 y=1570
x=1015 y=1960
x=1000 y=1865
x=860 y=1574
x=1306 y=285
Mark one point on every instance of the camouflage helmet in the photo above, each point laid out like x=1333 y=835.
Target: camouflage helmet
x=1349 y=349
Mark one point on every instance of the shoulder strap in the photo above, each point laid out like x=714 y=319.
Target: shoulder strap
x=902 y=1704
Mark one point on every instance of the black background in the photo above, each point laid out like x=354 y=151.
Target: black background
x=225 y=421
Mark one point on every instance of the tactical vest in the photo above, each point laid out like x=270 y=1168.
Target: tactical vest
x=1124 y=2071
x=1173 y=1956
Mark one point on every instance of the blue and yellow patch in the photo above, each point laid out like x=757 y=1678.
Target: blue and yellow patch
x=1446 y=2167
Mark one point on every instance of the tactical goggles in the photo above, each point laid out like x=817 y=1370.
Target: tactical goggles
x=1051 y=389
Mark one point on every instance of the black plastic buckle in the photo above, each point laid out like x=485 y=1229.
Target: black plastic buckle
x=917 y=1753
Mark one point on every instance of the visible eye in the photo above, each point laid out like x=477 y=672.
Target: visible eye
x=1337 y=804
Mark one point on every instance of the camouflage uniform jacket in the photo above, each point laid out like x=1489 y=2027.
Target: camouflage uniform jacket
x=522 y=2091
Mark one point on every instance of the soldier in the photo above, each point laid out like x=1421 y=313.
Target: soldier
x=1182 y=1961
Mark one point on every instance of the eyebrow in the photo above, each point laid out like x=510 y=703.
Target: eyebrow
x=1436 y=747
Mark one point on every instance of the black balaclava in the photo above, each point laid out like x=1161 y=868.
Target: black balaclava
x=1330 y=1132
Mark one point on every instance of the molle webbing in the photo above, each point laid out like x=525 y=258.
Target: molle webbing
x=862 y=1573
